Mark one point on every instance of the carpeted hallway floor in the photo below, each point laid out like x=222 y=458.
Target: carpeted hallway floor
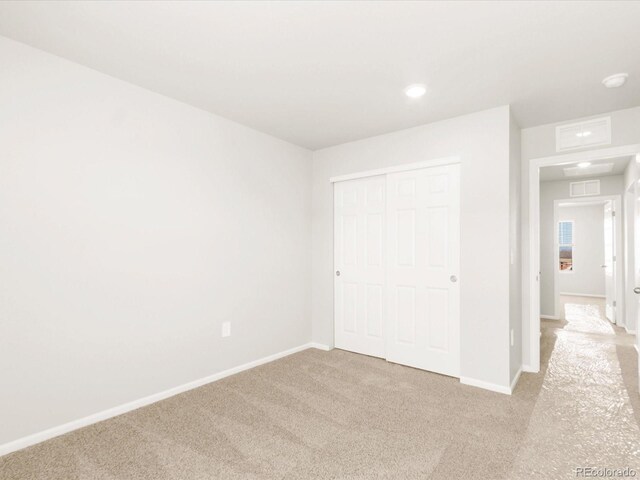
x=339 y=415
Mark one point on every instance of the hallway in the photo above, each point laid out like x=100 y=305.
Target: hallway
x=588 y=411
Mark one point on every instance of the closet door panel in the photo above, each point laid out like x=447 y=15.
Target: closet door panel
x=423 y=312
x=359 y=265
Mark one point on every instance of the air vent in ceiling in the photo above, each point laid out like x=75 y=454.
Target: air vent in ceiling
x=583 y=134
x=597 y=169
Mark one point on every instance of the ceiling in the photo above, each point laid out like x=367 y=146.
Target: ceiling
x=323 y=73
x=556 y=172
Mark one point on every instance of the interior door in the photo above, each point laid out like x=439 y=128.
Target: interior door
x=423 y=215
x=609 y=262
x=359 y=260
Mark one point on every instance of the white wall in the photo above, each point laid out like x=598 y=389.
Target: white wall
x=587 y=276
x=549 y=192
x=482 y=141
x=515 y=268
x=631 y=177
x=131 y=226
x=629 y=266
x=539 y=142
x=632 y=172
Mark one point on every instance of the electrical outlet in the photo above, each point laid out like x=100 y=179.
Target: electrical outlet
x=226 y=329
x=512 y=337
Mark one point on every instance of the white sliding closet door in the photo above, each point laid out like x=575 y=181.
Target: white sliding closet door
x=359 y=258
x=423 y=219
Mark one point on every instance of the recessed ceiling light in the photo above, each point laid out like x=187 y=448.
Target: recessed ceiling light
x=586 y=133
x=415 y=91
x=615 y=81
x=584 y=164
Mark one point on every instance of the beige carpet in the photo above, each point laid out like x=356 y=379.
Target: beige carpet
x=339 y=415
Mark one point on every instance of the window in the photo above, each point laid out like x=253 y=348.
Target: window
x=565 y=246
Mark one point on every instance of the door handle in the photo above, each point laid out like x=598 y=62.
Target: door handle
x=636 y=290
x=453 y=279
x=337 y=273
x=603 y=266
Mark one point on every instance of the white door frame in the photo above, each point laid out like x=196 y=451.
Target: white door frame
x=397 y=168
x=619 y=241
x=629 y=201
x=532 y=336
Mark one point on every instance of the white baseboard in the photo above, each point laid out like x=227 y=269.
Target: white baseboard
x=142 y=402
x=320 y=346
x=486 y=385
x=492 y=386
x=514 y=382
x=549 y=317
x=582 y=295
x=632 y=332
x=529 y=369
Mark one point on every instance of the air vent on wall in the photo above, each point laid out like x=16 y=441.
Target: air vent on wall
x=583 y=189
x=583 y=134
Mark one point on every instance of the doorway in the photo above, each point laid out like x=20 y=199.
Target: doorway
x=587 y=252
x=532 y=279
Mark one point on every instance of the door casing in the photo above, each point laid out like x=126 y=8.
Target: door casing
x=531 y=248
